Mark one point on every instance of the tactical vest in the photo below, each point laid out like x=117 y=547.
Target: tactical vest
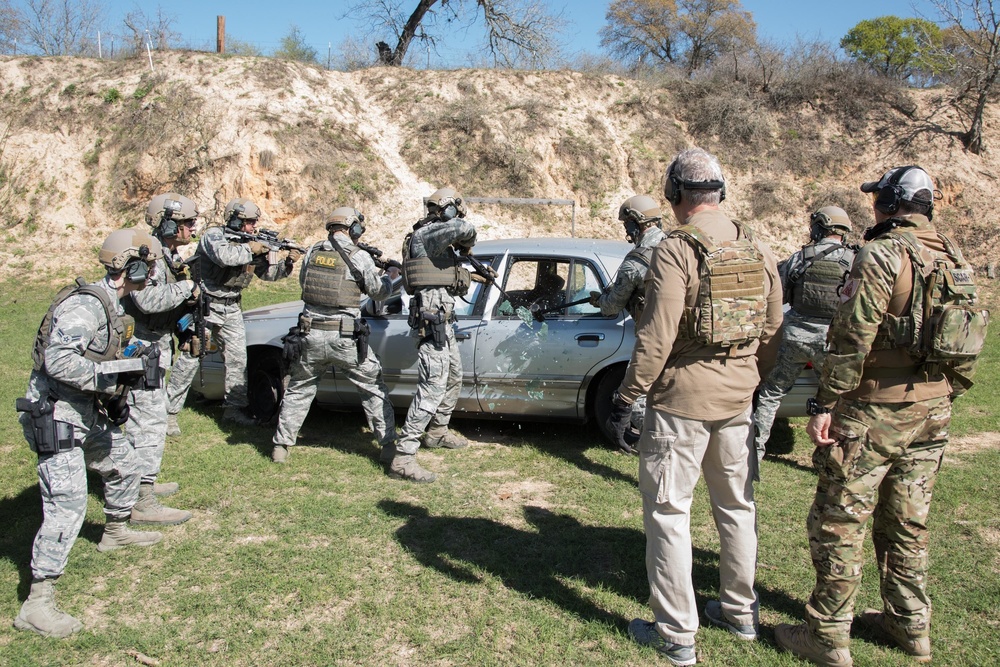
x=731 y=306
x=230 y=277
x=327 y=280
x=120 y=327
x=943 y=325
x=158 y=322
x=637 y=301
x=424 y=272
x=814 y=286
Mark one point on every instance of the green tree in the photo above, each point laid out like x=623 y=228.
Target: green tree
x=899 y=48
x=294 y=47
x=690 y=33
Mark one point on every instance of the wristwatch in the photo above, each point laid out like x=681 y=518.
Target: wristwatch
x=813 y=408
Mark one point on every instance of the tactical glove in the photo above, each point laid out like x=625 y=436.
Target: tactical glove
x=595 y=299
x=257 y=248
x=619 y=421
x=294 y=255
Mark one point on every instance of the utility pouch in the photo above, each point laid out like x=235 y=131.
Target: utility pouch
x=413 y=319
x=51 y=437
x=153 y=378
x=362 y=331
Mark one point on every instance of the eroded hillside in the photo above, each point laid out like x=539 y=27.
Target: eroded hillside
x=88 y=142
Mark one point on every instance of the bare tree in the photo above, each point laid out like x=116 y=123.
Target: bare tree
x=159 y=25
x=10 y=26
x=518 y=32
x=61 y=27
x=973 y=43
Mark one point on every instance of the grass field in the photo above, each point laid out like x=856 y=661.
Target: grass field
x=528 y=550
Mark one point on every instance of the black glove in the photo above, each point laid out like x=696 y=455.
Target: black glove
x=117 y=408
x=293 y=344
x=619 y=421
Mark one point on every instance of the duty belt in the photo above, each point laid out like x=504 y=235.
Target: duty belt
x=344 y=325
x=225 y=300
x=890 y=373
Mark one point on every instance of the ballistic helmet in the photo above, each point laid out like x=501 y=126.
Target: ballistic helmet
x=638 y=213
x=446 y=204
x=829 y=220
x=238 y=211
x=349 y=218
x=166 y=210
x=131 y=251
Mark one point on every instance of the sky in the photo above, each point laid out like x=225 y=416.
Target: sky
x=322 y=22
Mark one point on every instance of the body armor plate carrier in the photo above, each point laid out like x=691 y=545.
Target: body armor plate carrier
x=637 y=301
x=327 y=280
x=120 y=327
x=814 y=285
x=731 y=307
x=423 y=272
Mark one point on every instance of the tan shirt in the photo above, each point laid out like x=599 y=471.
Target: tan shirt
x=683 y=377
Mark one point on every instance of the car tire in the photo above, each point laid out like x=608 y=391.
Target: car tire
x=600 y=405
x=265 y=383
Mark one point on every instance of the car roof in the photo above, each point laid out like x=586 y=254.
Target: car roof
x=554 y=246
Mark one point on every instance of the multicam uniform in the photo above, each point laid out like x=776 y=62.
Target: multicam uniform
x=227 y=267
x=440 y=370
x=80 y=328
x=332 y=299
x=891 y=426
x=155 y=309
x=628 y=292
x=812 y=293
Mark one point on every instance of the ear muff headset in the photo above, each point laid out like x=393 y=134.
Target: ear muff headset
x=235 y=222
x=820 y=226
x=450 y=211
x=674 y=184
x=137 y=270
x=890 y=194
x=357 y=227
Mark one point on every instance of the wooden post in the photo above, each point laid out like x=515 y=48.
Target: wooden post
x=220 y=34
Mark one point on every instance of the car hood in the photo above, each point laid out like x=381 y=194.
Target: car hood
x=279 y=310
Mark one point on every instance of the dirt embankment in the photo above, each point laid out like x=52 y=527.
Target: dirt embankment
x=84 y=144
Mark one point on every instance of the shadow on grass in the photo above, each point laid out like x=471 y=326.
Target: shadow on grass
x=538 y=563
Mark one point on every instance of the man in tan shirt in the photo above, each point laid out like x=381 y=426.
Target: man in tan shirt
x=713 y=297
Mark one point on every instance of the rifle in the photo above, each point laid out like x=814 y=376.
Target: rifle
x=266 y=237
x=376 y=254
x=538 y=312
x=488 y=274
x=199 y=314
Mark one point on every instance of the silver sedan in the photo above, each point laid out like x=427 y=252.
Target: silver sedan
x=529 y=353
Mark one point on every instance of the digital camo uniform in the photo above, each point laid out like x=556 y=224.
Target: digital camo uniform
x=628 y=291
x=330 y=341
x=156 y=310
x=890 y=425
x=439 y=366
x=227 y=267
x=810 y=280
x=182 y=374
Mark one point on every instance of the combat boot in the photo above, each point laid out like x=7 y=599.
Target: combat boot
x=40 y=614
x=279 y=454
x=797 y=640
x=238 y=416
x=405 y=466
x=148 y=510
x=441 y=436
x=919 y=648
x=117 y=534
x=165 y=489
x=388 y=453
x=173 y=428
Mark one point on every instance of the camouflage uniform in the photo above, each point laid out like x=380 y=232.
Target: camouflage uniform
x=78 y=323
x=147 y=422
x=325 y=347
x=226 y=317
x=440 y=371
x=803 y=341
x=182 y=374
x=891 y=426
x=626 y=293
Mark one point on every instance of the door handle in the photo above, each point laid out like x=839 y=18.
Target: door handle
x=589 y=339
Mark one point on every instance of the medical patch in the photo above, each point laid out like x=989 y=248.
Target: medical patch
x=848 y=289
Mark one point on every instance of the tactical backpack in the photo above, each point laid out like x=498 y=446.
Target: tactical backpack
x=814 y=283
x=731 y=307
x=120 y=328
x=943 y=327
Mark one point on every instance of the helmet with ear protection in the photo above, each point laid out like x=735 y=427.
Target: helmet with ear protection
x=446 y=204
x=239 y=211
x=131 y=251
x=829 y=220
x=349 y=218
x=166 y=210
x=674 y=184
x=899 y=184
x=638 y=212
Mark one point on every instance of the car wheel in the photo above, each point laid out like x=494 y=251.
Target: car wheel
x=265 y=384
x=601 y=398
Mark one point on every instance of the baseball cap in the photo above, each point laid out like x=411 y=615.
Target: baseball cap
x=911 y=181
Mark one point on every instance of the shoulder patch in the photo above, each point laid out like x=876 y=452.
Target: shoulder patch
x=848 y=288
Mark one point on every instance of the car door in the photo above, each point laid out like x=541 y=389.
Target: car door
x=532 y=367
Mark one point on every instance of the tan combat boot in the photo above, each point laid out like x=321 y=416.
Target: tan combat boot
x=40 y=614
x=165 y=489
x=405 y=466
x=440 y=436
x=919 y=648
x=797 y=640
x=117 y=534
x=173 y=428
x=279 y=454
x=148 y=510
